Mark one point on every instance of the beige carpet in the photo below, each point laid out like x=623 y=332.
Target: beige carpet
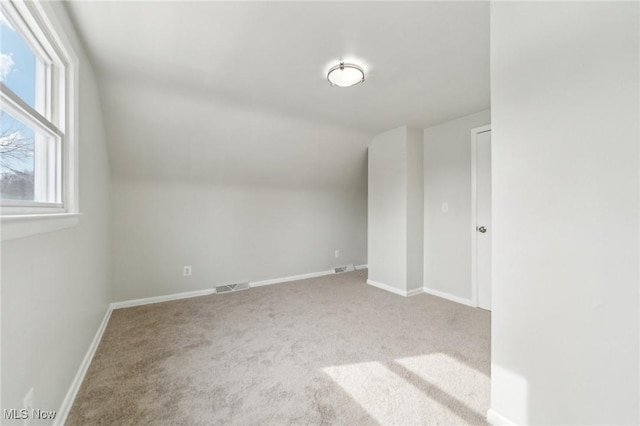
x=329 y=350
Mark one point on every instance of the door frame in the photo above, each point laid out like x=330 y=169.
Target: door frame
x=474 y=188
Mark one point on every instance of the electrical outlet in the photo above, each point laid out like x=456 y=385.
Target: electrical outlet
x=186 y=271
x=337 y=254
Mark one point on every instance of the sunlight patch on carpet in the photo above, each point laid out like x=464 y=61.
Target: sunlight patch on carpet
x=386 y=396
x=456 y=380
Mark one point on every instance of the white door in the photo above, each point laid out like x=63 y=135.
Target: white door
x=483 y=219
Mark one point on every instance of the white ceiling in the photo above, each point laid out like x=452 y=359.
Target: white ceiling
x=236 y=92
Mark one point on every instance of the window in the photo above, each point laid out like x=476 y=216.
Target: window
x=37 y=126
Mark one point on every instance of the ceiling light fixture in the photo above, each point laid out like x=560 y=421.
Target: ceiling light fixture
x=345 y=75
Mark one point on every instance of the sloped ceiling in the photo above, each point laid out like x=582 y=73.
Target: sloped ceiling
x=236 y=92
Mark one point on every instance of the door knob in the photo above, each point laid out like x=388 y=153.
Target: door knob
x=481 y=229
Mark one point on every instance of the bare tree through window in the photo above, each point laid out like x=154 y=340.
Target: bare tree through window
x=16 y=159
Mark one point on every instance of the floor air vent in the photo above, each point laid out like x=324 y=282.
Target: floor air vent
x=341 y=269
x=232 y=287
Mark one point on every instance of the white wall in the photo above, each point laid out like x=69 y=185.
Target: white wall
x=229 y=234
x=237 y=192
x=565 y=132
x=387 y=209
x=447 y=178
x=56 y=286
x=415 y=210
x=395 y=211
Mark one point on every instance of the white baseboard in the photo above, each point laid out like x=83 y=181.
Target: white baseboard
x=498 y=419
x=291 y=278
x=158 y=299
x=394 y=290
x=67 y=402
x=358 y=267
x=387 y=288
x=189 y=294
x=448 y=296
x=414 y=292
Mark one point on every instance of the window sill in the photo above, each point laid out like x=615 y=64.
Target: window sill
x=20 y=226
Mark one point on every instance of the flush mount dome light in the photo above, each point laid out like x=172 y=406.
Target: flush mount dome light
x=345 y=75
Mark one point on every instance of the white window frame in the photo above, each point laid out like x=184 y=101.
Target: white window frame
x=38 y=24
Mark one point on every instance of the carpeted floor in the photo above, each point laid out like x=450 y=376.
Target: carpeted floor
x=329 y=350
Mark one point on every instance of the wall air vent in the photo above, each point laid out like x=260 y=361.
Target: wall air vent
x=232 y=287
x=346 y=268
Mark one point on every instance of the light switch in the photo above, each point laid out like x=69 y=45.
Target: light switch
x=445 y=207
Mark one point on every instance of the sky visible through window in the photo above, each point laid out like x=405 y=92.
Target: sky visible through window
x=18 y=64
x=18 y=73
